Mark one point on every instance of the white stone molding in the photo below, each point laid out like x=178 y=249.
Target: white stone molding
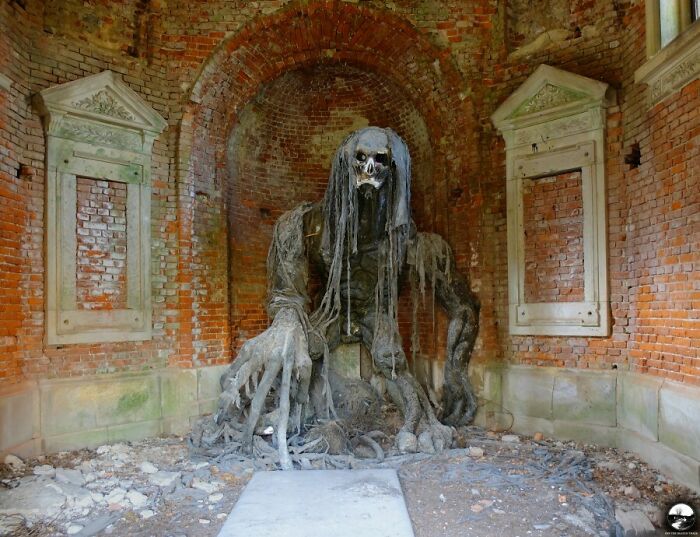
x=552 y=124
x=5 y=82
x=99 y=128
x=672 y=67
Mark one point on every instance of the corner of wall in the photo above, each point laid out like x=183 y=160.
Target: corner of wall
x=650 y=416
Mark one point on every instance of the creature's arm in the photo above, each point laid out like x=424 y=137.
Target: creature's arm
x=287 y=276
x=287 y=263
x=280 y=351
x=459 y=402
x=433 y=257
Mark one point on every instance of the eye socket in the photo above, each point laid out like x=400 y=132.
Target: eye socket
x=382 y=158
x=360 y=156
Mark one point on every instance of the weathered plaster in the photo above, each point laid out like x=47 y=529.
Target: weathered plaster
x=655 y=418
x=60 y=414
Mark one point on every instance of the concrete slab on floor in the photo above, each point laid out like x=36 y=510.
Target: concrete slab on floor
x=318 y=503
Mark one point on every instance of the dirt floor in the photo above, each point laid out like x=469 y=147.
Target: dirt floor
x=494 y=485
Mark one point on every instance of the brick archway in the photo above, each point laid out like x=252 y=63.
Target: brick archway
x=298 y=35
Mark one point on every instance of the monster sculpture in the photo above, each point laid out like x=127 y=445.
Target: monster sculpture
x=362 y=242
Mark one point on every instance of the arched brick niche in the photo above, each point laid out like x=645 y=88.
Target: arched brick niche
x=315 y=39
x=280 y=152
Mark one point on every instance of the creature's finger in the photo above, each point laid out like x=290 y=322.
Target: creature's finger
x=235 y=367
x=272 y=368
x=288 y=360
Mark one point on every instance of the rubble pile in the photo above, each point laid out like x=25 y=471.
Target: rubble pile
x=85 y=492
x=489 y=484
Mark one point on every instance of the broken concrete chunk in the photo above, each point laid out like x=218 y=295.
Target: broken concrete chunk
x=208 y=487
x=634 y=523
x=14 y=462
x=116 y=497
x=34 y=500
x=163 y=478
x=45 y=469
x=137 y=499
x=74 y=529
x=148 y=468
x=96 y=525
x=632 y=492
x=476 y=452
x=77 y=498
x=66 y=475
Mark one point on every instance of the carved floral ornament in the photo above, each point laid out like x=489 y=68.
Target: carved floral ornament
x=675 y=78
x=98 y=134
x=551 y=102
x=548 y=96
x=96 y=104
x=672 y=66
x=104 y=103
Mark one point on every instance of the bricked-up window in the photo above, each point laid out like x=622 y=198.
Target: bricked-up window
x=553 y=126
x=101 y=244
x=100 y=135
x=553 y=245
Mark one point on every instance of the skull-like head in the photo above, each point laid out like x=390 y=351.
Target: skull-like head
x=372 y=164
x=371 y=161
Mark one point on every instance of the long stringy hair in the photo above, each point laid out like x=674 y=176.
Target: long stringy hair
x=339 y=240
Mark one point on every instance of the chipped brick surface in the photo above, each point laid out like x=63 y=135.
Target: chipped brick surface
x=101 y=244
x=553 y=228
x=257 y=96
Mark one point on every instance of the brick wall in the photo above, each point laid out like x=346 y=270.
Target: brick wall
x=553 y=228
x=248 y=87
x=46 y=48
x=15 y=191
x=663 y=241
x=101 y=244
x=392 y=56
x=652 y=210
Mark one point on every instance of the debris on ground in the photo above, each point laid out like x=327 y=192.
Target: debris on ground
x=492 y=485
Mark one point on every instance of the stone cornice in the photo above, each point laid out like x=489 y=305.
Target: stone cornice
x=672 y=67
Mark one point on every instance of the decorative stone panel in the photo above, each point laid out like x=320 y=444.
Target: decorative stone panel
x=554 y=124
x=672 y=67
x=97 y=129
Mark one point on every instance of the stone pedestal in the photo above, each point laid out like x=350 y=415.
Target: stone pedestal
x=352 y=361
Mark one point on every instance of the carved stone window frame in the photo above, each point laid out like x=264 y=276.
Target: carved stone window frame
x=670 y=68
x=555 y=123
x=99 y=128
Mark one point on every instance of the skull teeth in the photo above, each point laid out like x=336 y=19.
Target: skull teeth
x=364 y=180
